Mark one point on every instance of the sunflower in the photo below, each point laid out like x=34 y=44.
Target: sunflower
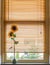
x=10 y=34
x=14 y=28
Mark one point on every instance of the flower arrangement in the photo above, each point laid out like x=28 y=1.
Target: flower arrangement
x=12 y=35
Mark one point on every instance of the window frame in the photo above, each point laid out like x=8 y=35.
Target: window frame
x=46 y=24
x=28 y=61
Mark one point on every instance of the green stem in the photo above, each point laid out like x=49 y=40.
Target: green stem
x=14 y=47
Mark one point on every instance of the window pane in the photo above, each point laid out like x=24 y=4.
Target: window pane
x=25 y=56
x=30 y=38
x=9 y=56
x=25 y=10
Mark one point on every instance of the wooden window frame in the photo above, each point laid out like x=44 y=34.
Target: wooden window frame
x=46 y=24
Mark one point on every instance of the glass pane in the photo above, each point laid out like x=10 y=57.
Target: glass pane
x=30 y=38
x=9 y=56
x=25 y=56
x=33 y=10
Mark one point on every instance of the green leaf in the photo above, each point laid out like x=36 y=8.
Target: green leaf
x=14 y=35
x=16 y=42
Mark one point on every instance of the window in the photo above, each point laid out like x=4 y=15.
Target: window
x=29 y=17
x=30 y=45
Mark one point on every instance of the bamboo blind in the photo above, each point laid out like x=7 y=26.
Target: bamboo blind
x=30 y=38
x=18 y=10
x=26 y=10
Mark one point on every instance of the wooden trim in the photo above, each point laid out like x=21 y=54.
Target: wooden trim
x=2 y=31
x=25 y=22
x=47 y=31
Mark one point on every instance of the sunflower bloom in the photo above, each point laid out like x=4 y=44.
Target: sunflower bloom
x=14 y=28
x=10 y=34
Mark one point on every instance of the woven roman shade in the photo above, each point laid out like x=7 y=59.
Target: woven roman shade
x=19 y=10
x=30 y=38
